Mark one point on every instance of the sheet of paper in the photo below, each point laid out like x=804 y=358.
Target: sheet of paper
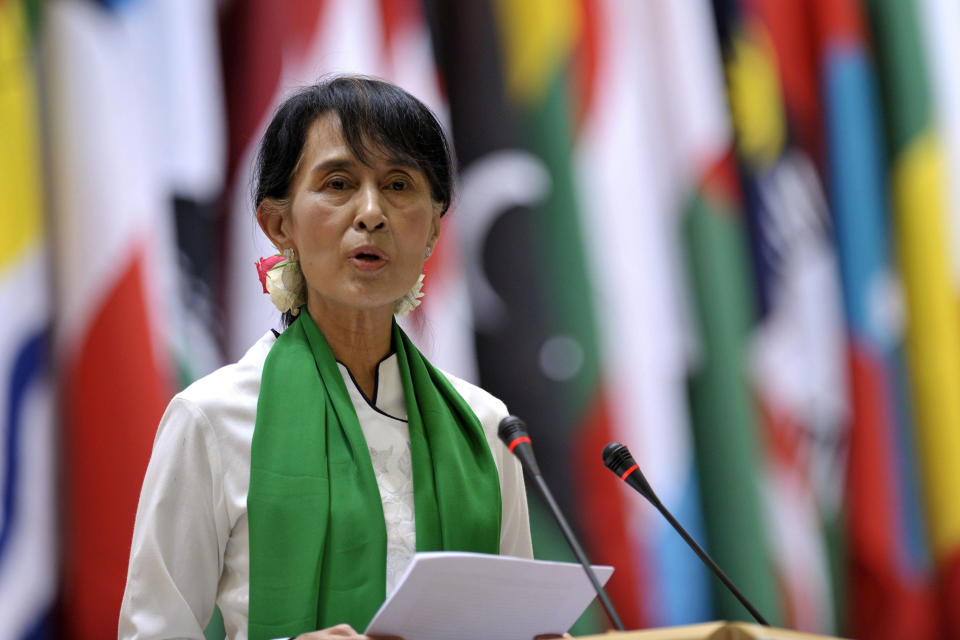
x=474 y=596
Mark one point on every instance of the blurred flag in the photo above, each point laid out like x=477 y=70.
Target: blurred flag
x=28 y=549
x=269 y=50
x=123 y=147
x=797 y=349
x=724 y=417
x=933 y=335
x=654 y=123
x=887 y=588
x=189 y=119
x=800 y=354
x=522 y=244
x=253 y=53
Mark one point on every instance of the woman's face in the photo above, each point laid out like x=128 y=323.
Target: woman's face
x=360 y=231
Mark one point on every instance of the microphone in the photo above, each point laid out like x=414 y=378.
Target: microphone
x=513 y=433
x=617 y=458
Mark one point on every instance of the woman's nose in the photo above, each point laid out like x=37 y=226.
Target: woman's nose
x=370 y=215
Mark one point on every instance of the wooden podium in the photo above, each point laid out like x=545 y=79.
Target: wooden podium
x=710 y=631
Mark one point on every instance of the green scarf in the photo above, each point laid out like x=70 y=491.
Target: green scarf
x=318 y=542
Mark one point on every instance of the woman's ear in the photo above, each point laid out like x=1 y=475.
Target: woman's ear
x=434 y=228
x=272 y=218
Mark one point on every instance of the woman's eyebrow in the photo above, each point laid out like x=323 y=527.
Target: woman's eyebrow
x=396 y=162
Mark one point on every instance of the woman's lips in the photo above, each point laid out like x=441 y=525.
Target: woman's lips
x=367 y=258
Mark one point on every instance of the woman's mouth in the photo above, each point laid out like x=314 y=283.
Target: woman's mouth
x=367 y=258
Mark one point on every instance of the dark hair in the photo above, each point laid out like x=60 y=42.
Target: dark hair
x=372 y=113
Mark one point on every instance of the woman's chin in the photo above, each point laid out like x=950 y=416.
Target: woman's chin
x=372 y=304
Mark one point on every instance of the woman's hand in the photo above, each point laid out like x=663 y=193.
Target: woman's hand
x=339 y=632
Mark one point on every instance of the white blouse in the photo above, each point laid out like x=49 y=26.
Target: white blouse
x=190 y=540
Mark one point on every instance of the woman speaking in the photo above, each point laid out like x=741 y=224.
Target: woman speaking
x=291 y=489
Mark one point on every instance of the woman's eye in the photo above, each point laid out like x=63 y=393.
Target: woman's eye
x=337 y=184
x=398 y=185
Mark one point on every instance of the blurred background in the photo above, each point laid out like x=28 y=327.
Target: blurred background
x=726 y=234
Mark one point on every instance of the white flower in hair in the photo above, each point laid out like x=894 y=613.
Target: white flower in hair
x=282 y=278
x=410 y=300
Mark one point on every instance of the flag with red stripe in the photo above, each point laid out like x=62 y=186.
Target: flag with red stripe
x=888 y=593
x=921 y=223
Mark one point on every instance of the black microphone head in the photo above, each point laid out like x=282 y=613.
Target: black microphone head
x=513 y=433
x=617 y=458
x=511 y=428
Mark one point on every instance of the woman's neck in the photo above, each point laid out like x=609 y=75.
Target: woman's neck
x=359 y=339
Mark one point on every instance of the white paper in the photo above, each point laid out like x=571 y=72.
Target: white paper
x=475 y=596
